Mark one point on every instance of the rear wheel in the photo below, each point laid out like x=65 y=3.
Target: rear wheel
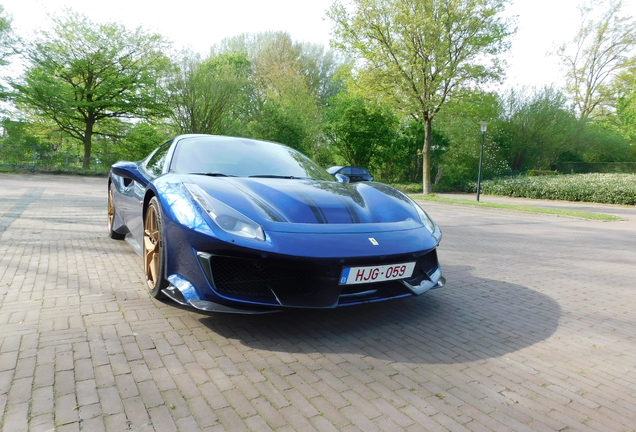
x=111 y=216
x=154 y=250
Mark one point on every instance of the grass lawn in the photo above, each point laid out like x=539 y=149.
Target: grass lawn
x=552 y=211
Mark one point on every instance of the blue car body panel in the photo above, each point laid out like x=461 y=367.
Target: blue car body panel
x=313 y=229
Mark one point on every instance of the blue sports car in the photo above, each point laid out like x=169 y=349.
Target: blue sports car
x=241 y=225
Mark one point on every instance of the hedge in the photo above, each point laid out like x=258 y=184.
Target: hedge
x=599 y=188
x=596 y=167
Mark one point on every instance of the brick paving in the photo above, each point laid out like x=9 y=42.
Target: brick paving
x=535 y=330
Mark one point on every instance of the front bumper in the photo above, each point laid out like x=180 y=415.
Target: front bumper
x=301 y=282
x=212 y=274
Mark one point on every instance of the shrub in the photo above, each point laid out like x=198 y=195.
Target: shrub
x=534 y=173
x=408 y=188
x=599 y=188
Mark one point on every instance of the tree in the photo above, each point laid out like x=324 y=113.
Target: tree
x=8 y=44
x=204 y=92
x=600 y=51
x=457 y=141
x=602 y=142
x=535 y=129
x=82 y=73
x=272 y=52
x=18 y=134
x=357 y=129
x=625 y=119
x=284 y=86
x=7 y=40
x=418 y=53
x=129 y=141
x=292 y=81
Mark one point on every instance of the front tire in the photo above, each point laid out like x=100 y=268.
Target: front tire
x=111 y=215
x=154 y=250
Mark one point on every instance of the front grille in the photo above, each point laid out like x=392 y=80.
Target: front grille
x=301 y=282
x=427 y=263
x=249 y=277
x=425 y=266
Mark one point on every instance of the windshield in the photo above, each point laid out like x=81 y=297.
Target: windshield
x=242 y=157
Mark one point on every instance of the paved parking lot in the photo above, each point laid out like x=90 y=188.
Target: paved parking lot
x=535 y=330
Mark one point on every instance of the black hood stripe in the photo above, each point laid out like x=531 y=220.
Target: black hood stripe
x=353 y=215
x=314 y=207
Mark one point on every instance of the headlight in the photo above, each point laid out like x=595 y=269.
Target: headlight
x=225 y=217
x=424 y=217
x=426 y=220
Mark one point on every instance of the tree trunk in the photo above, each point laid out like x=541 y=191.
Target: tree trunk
x=426 y=156
x=88 y=136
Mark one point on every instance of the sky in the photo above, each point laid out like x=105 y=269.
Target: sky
x=200 y=24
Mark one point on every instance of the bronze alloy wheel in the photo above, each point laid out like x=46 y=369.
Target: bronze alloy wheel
x=111 y=215
x=153 y=250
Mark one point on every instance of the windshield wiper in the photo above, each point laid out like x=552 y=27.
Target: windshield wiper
x=277 y=176
x=212 y=174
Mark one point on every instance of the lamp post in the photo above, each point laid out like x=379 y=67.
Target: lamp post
x=483 y=126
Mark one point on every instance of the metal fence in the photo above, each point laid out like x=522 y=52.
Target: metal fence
x=31 y=158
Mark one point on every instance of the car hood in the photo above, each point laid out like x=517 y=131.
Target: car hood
x=282 y=204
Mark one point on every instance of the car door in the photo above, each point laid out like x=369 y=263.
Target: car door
x=150 y=168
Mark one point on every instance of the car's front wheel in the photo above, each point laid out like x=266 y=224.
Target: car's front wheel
x=111 y=215
x=154 y=250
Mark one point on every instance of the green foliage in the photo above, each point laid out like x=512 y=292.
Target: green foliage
x=357 y=129
x=290 y=83
x=456 y=157
x=408 y=188
x=534 y=173
x=8 y=40
x=36 y=145
x=536 y=128
x=596 y=167
x=418 y=54
x=322 y=69
x=82 y=73
x=275 y=122
x=277 y=58
x=19 y=134
x=205 y=94
x=600 y=142
x=514 y=207
x=132 y=141
x=9 y=45
x=625 y=118
x=600 y=188
x=142 y=138
x=400 y=160
x=85 y=80
x=601 y=50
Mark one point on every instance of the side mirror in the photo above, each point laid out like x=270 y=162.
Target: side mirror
x=129 y=170
x=341 y=178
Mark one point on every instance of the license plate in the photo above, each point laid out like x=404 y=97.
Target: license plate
x=358 y=275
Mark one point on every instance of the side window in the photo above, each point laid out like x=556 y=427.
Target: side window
x=346 y=171
x=155 y=163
